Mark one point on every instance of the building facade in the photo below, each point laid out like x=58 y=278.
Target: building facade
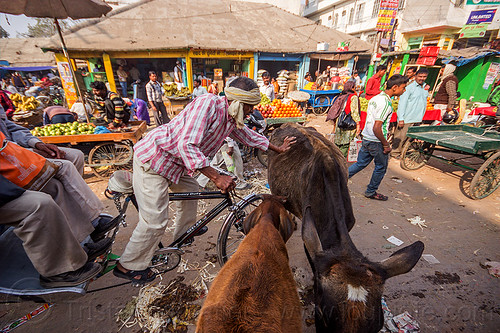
x=420 y=22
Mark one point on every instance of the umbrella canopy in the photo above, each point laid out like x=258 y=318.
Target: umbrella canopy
x=58 y=9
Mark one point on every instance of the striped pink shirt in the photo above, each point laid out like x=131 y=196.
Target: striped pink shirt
x=182 y=145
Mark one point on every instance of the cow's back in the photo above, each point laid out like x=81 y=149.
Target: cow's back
x=255 y=290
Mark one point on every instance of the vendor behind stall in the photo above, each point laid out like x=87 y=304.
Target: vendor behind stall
x=58 y=115
x=112 y=109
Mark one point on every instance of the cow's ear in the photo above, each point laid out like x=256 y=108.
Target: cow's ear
x=287 y=224
x=403 y=261
x=310 y=234
x=251 y=220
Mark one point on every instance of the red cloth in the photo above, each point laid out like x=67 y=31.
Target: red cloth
x=373 y=87
x=7 y=104
x=488 y=111
x=429 y=115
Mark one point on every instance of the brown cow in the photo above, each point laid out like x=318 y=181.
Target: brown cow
x=348 y=287
x=255 y=291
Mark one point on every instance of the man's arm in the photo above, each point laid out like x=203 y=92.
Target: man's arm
x=451 y=90
x=377 y=130
x=149 y=93
x=402 y=107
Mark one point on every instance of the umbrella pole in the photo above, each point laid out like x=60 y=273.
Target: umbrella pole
x=65 y=51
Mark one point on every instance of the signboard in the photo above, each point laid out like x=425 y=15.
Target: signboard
x=491 y=74
x=483 y=2
x=67 y=82
x=473 y=30
x=387 y=14
x=481 y=16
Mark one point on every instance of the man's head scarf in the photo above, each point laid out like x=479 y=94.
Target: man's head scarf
x=448 y=70
x=238 y=98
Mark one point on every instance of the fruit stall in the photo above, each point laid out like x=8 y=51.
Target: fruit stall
x=278 y=112
x=177 y=99
x=28 y=110
x=108 y=150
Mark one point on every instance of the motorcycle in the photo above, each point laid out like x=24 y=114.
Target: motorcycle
x=256 y=122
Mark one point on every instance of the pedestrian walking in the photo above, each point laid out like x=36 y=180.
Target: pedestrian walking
x=375 y=146
x=347 y=102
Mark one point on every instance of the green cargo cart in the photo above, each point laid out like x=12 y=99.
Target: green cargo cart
x=468 y=141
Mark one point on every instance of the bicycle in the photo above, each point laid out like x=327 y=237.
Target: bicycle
x=230 y=234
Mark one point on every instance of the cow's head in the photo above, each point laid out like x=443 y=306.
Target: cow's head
x=349 y=287
x=273 y=210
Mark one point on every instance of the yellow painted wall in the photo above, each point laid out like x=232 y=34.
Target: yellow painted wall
x=109 y=71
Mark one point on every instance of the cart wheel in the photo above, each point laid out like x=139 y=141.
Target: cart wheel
x=320 y=110
x=113 y=156
x=415 y=154
x=487 y=178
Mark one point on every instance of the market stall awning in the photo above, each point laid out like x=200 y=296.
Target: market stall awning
x=28 y=69
x=203 y=24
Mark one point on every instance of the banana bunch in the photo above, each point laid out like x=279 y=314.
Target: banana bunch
x=183 y=93
x=24 y=103
x=170 y=89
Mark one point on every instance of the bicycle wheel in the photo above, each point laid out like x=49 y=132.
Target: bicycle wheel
x=231 y=233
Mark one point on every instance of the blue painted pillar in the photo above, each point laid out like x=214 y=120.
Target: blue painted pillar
x=255 y=65
x=303 y=69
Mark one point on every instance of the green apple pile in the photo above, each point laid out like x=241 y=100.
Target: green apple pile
x=73 y=128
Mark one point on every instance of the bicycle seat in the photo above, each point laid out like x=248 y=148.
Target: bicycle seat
x=20 y=280
x=121 y=182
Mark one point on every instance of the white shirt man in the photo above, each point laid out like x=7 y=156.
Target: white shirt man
x=198 y=89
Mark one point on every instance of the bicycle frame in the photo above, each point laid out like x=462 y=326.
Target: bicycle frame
x=214 y=212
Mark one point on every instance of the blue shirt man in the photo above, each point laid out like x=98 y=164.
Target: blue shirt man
x=411 y=109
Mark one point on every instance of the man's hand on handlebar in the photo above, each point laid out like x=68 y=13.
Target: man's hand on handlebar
x=223 y=182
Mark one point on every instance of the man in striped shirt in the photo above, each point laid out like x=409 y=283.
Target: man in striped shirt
x=155 y=100
x=170 y=154
x=111 y=106
x=375 y=146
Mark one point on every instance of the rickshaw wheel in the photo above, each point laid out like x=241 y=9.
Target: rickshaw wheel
x=321 y=110
x=487 y=178
x=115 y=156
x=415 y=154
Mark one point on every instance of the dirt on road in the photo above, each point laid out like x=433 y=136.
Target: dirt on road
x=454 y=295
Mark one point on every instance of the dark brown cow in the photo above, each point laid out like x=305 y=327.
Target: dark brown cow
x=348 y=287
x=255 y=291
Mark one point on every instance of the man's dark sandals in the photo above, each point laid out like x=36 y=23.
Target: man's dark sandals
x=377 y=196
x=137 y=277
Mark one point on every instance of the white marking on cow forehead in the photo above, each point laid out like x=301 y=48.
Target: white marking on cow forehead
x=356 y=294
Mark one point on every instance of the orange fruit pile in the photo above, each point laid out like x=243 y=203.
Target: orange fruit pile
x=278 y=109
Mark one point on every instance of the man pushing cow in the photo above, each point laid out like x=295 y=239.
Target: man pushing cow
x=171 y=153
